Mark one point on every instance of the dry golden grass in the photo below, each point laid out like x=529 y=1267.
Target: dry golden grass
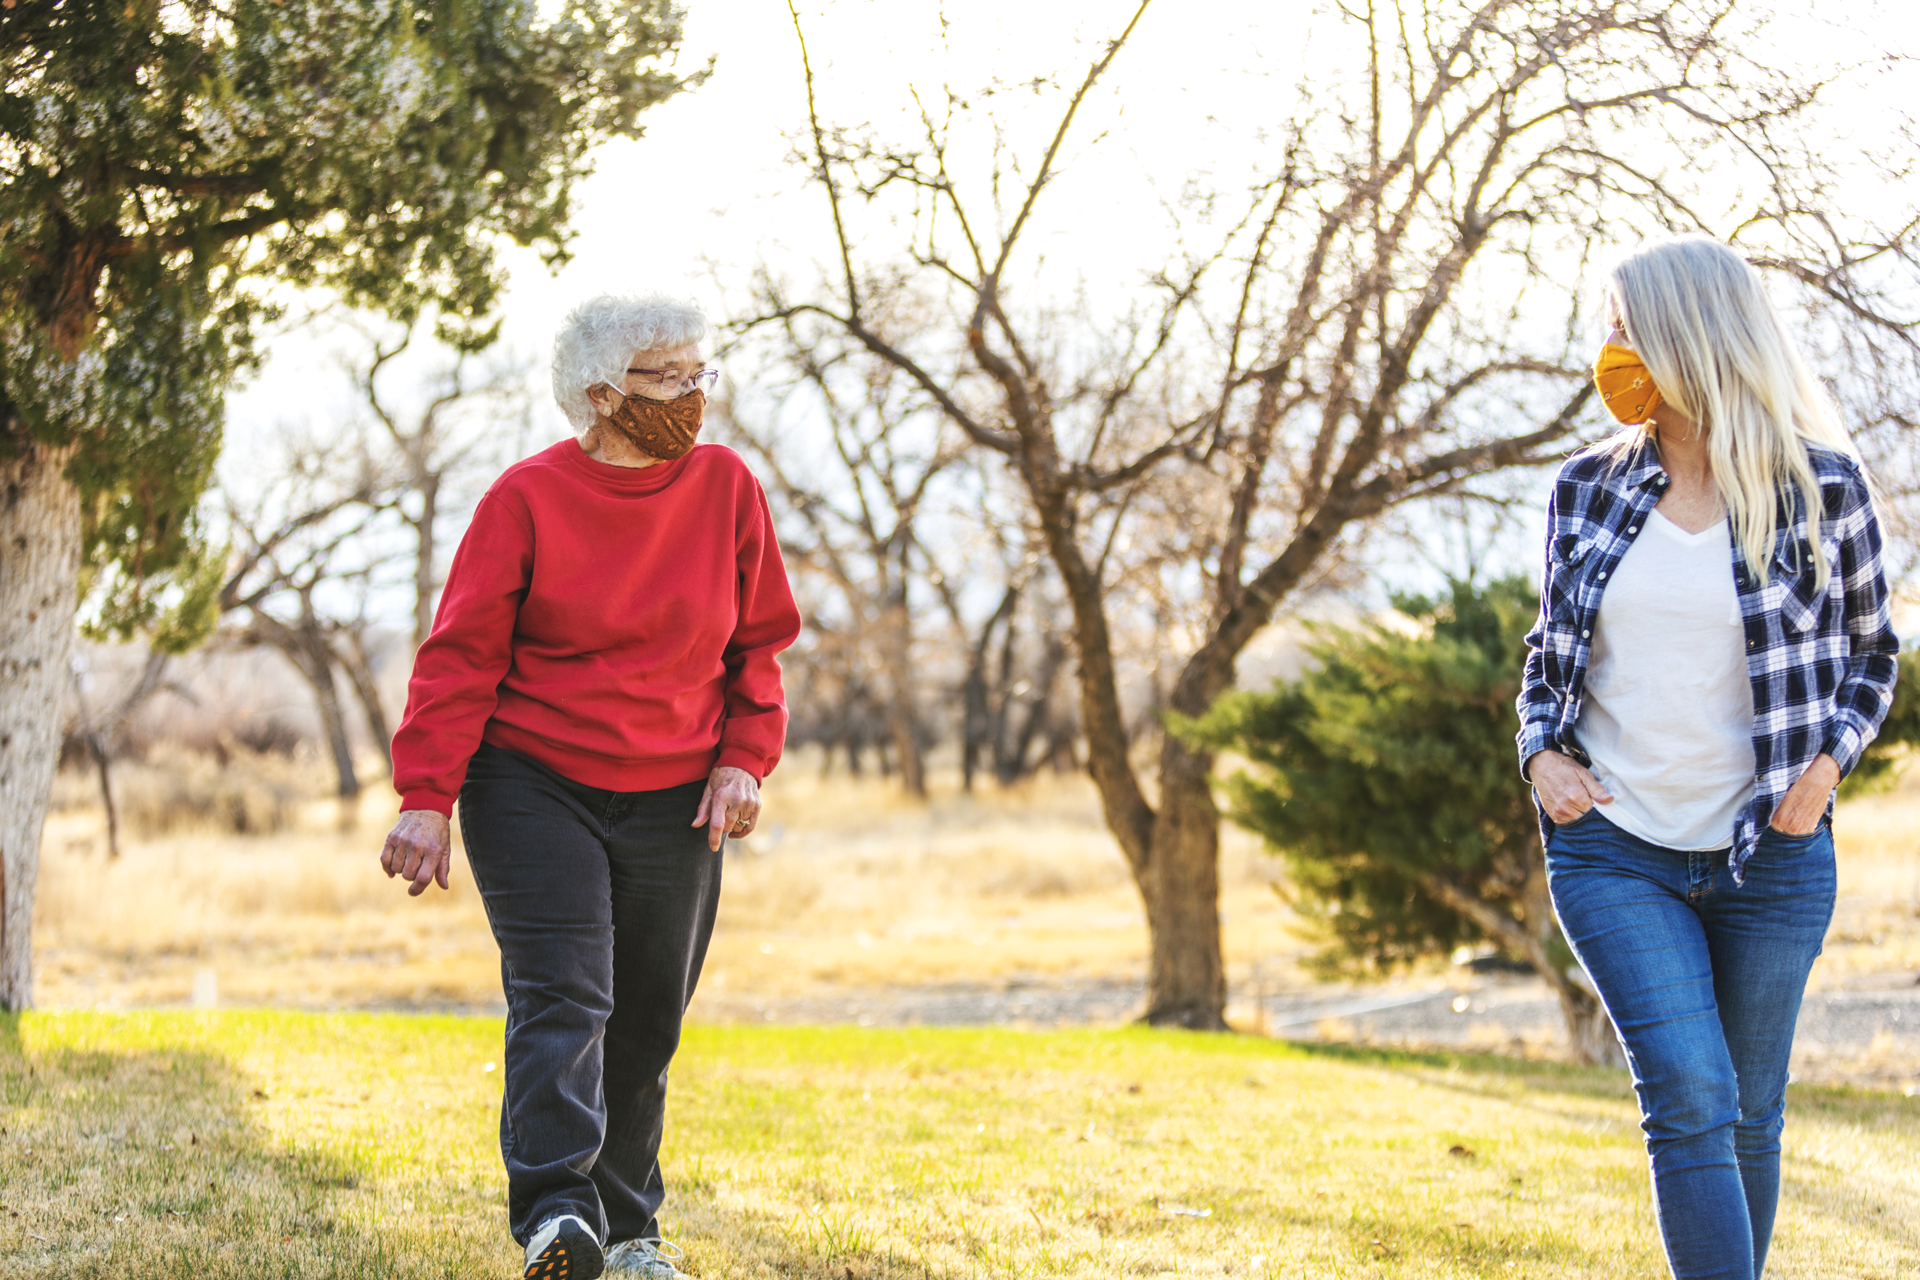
x=847 y=884
x=1876 y=923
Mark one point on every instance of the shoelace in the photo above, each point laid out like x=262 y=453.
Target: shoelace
x=654 y=1249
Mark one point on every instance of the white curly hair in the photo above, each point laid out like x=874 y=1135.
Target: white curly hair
x=601 y=335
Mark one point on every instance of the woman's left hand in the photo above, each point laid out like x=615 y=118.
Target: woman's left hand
x=730 y=806
x=1805 y=803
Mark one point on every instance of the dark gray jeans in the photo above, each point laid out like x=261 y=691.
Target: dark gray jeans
x=602 y=903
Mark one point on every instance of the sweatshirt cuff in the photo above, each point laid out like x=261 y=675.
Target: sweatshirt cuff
x=743 y=758
x=442 y=805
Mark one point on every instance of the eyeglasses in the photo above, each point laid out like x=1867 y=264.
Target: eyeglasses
x=675 y=382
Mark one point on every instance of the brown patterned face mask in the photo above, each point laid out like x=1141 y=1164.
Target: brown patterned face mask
x=663 y=429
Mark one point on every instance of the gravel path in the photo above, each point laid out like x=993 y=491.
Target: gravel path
x=1868 y=1036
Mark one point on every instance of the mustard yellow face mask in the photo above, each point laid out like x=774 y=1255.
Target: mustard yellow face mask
x=1626 y=388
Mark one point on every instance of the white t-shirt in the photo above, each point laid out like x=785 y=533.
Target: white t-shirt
x=1668 y=714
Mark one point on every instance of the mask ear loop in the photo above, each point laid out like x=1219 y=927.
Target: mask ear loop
x=604 y=411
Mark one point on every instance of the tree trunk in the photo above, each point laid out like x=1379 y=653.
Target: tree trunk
x=358 y=665
x=39 y=577
x=103 y=761
x=906 y=743
x=903 y=717
x=977 y=727
x=92 y=732
x=1590 y=1031
x=305 y=646
x=1536 y=936
x=973 y=722
x=326 y=692
x=1186 y=977
x=1039 y=709
x=425 y=583
x=855 y=743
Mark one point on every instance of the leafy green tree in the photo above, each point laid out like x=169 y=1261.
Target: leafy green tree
x=166 y=163
x=1386 y=780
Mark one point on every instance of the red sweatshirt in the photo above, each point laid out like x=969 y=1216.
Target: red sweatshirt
x=619 y=625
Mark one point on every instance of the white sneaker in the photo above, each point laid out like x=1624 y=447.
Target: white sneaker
x=564 y=1248
x=653 y=1259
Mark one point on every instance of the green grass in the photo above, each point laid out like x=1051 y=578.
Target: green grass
x=282 y=1144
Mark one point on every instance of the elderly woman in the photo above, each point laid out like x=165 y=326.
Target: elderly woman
x=601 y=693
x=1714 y=651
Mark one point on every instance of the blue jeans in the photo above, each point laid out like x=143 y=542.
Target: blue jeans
x=1703 y=981
x=602 y=903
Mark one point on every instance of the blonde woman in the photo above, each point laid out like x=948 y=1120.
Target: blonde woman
x=1712 y=655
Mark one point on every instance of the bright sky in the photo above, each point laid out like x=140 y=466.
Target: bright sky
x=710 y=190
x=649 y=222
x=712 y=182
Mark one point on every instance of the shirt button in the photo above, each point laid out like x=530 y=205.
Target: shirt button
x=1603 y=574
x=1633 y=528
x=1752 y=643
x=1585 y=634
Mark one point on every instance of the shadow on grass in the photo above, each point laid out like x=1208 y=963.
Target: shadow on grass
x=1868 y=1202
x=1495 y=1068
x=151 y=1161
x=1867 y=1185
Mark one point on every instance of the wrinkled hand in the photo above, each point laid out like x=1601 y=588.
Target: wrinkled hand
x=1567 y=789
x=1805 y=803
x=730 y=806
x=419 y=847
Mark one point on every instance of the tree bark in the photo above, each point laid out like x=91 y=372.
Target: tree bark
x=903 y=715
x=1590 y=1029
x=1186 y=978
x=103 y=762
x=906 y=745
x=425 y=581
x=357 y=663
x=1590 y=1032
x=305 y=646
x=326 y=693
x=39 y=577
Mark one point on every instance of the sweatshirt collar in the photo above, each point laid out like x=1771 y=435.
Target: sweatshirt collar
x=625 y=480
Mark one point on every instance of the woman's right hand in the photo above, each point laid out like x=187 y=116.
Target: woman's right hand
x=419 y=847
x=1566 y=788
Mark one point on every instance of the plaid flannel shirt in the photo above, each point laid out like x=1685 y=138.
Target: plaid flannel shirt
x=1822 y=663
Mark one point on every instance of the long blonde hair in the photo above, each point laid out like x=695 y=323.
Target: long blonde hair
x=1695 y=312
